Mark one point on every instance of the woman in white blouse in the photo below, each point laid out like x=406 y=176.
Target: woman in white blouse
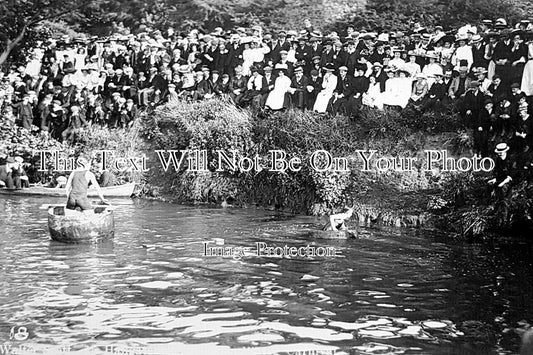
x=373 y=96
x=276 y=98
x=527 y=77
x=329 y=83
x=462 y=52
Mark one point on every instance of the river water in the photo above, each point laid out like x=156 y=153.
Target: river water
x=152 y=290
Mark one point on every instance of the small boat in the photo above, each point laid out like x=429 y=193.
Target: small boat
x=125 y=190
x=70 y=226
x=346 y=234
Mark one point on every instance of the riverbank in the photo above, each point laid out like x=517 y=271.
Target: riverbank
x=385 y=193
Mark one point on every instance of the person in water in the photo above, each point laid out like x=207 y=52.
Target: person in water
x=337 y=221
x=77 y=185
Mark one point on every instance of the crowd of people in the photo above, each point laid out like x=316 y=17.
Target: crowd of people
x=483 y=70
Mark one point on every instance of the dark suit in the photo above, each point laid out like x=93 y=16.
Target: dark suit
x=316 y=83
x=274 y=54
x=299 y=98
x=502 y=51
x=267 y=85
x=234 y=58
x=344 y=88
x=360 y=86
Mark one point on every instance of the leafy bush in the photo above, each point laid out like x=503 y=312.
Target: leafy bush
x=216 y=124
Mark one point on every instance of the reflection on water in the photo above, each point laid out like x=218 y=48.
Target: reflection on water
x=151 y=288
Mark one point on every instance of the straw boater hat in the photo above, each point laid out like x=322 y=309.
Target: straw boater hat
x=461 y=37
x=501 y=148
x=476 y=38
x=184 y=69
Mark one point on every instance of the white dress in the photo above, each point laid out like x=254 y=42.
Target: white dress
x=412 y=68
x=79 y=61
x=248 y=61
x=527 y=77
x=397 y=92
x=329 y=83
x=373 y=97
x=430 y=70
x=277 y=95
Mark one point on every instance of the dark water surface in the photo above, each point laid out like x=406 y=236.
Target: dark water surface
x=152 y=290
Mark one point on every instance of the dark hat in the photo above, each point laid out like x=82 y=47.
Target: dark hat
x=253 y=69
x=487 y=100
x=491 y=34
x=448 y=38
x=329 y=67
x=215 y=72
x=314 y=72
x=515 y=86
x=506 y=32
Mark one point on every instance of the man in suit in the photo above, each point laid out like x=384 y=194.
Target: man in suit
x=298 y=88
x=473 y=103
x=314 y=86
x=360 y=86
x=327 y=54
x=267 y=85
x=238 y=85
x=281 y=45
x=303 y=53
x=234 y=53
x=283 y=60
x=342 y=93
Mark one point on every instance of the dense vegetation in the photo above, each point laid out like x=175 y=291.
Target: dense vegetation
x=212 y=125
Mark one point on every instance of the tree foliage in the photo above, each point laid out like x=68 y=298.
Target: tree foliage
x=19 y=20
x=401 y=14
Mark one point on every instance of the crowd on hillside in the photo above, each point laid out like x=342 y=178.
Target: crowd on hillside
x=484 y=70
